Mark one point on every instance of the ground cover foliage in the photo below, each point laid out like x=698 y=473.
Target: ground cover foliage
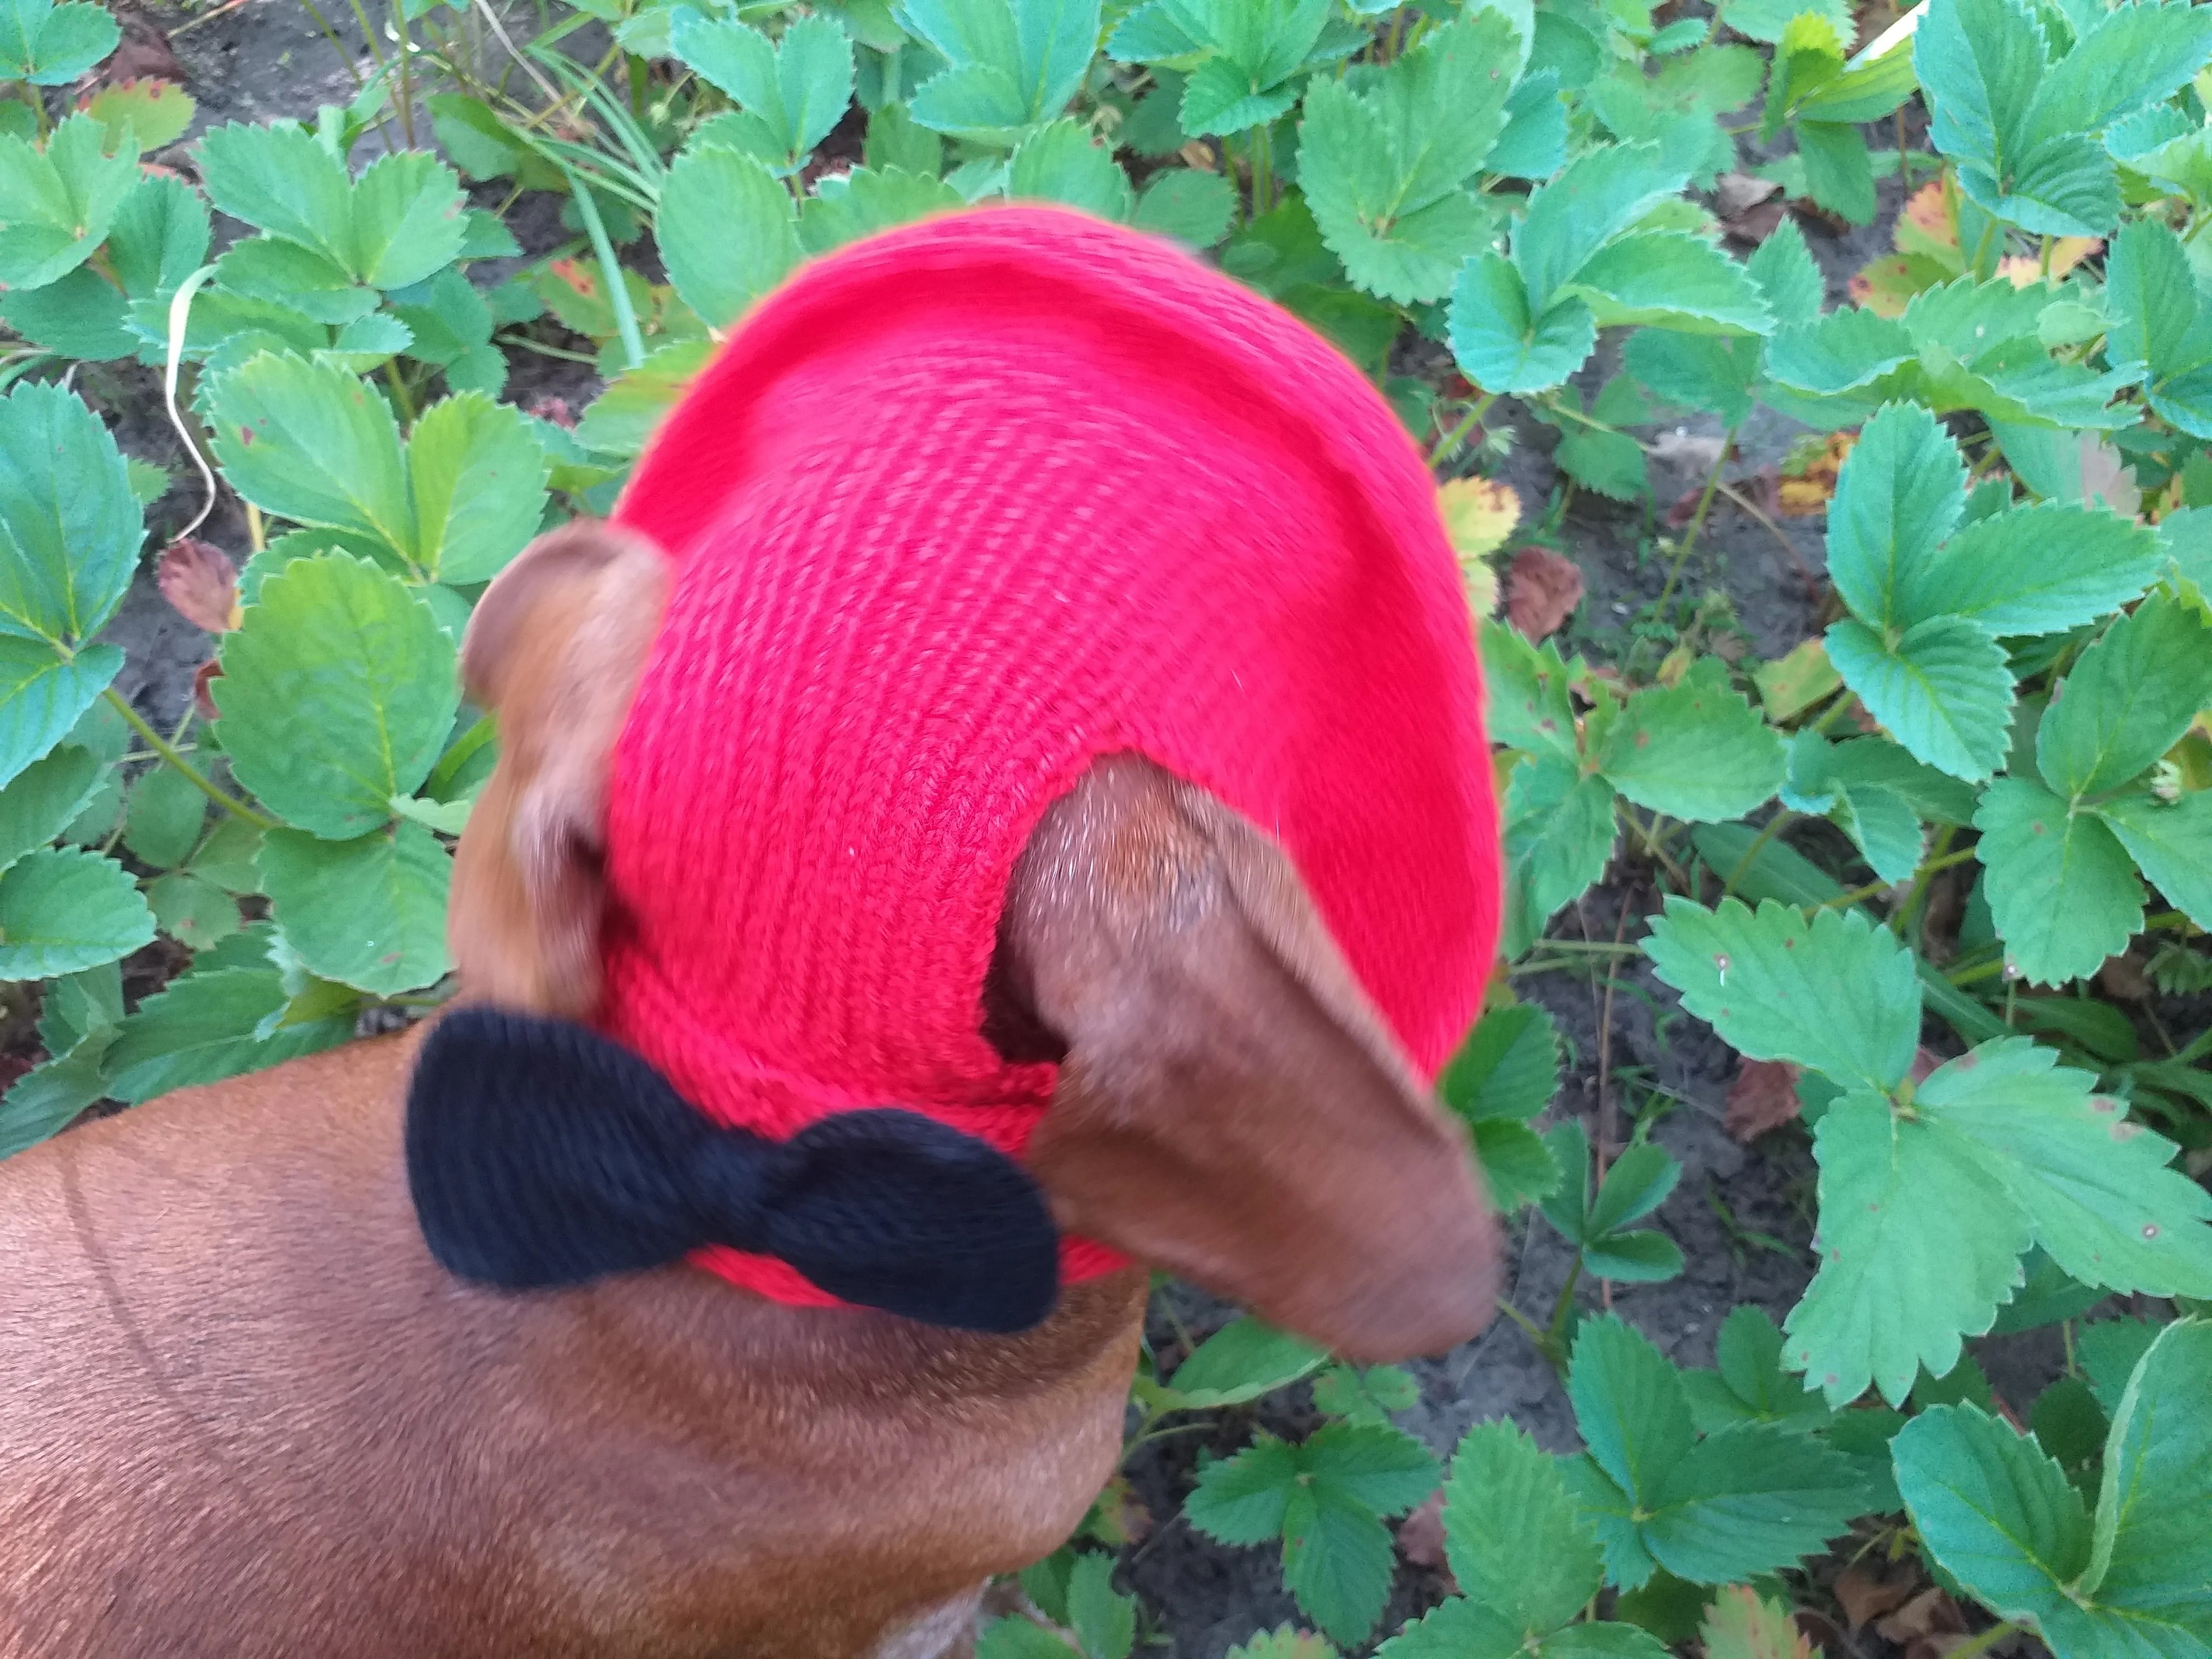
x=1475 y=202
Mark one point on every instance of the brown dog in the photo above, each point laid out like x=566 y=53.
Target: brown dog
x=243 y=1413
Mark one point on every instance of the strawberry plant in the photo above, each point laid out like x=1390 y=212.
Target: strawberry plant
x=1912 y=865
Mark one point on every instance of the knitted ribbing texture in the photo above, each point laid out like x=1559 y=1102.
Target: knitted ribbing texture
x=955 y=512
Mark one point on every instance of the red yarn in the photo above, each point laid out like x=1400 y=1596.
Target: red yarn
x=957 y=511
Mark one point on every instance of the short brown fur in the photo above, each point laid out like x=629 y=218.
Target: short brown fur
x=244 y=1414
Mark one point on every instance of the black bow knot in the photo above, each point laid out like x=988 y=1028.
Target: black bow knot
x=541 y=1154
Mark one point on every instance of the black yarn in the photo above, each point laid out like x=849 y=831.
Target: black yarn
x=541 y=1154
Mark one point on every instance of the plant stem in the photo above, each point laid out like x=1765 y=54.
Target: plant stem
x=1982 y=248
x=1263 y=168
x=1858 y=894
x=610 y=273
x=1448 y=446
x=406 y=90
x=1903 y=919
x=399 y=391
x=1560 y=1309
x=1697 y=524
x=1772 y=828
x=162 y=746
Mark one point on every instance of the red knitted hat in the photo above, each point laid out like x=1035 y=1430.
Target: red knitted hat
x=958 y=510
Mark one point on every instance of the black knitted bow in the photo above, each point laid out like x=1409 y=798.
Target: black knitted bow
x=541 y=1154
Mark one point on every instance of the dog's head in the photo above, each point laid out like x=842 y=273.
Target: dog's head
x=1230 y=1103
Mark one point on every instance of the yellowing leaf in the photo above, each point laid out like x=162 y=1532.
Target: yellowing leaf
x=1809 y=473
x=2068 y=251
x=1929 y=224
x=1478 y=513
x=1793 y=684
x=1741 y=1626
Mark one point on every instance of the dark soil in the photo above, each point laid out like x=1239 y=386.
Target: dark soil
x=1630 y=1049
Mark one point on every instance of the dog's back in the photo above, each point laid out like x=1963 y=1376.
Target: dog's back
x=246 y=1415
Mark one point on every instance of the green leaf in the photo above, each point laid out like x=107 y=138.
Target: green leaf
x=1943 y=690
x=42 y=696
x=866 y=201
x=400 y=222
x=200 y=1030
x=727 y=231
x=1517 y=1167
x=1596 y=196
x=1059 y=162
x=623 y=416
x=1188 y=204
x=799 y=86
x=2096 y=1188
x=1750 y=1384
x=478 y=480
x=2089 y=561
x=1838 y=172
x=44 y=799
x=311 y=442
x=270 y=268
x=1629 y=1405
x=2148 y=1567
x=1459 y=1629
x=1016 y=1638
x=1338 y=1563
x=47 y=1099
x=1371 y=1465
x=368 y=913
x=1672 y=278
x=1695 y=751
x=334 y=646
x=2110 y=1350
x=1508 y=1068
x=1747 y=1500
x=1996 y=1511
x=195 y=913
x=1384 y=171
x=2060 y=888
x=161 y=823
x=1649 y=1257
x=1512 y=1535
x=1104 y=1622
x=1243 y=1499
x=1637 y=1184
x=49 y=45
x=1502 y=343
x=1917 y=1246
x=1220 y=98
x=1526 y=684
x=1783 y=267
x=62 y=909
x=1242 y=1361
x=2128 y=701
x=1560 y=833
x=58 y=201
x=1838 y=994
x=1899 y=495
x=2172 y=845
x=2133 y=57
x=1706 y=372
x=1844 y=351
x=69 y=529
x=1014 y=63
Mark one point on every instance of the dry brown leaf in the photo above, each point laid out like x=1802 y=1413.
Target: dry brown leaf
x=200 y=583
x=1808 y=474
x=1421 y=1538
x=1118 y=1516
x=2122 y=977
x=1197 y=154
x=2106 y=477
x=1931 y=1612
x=1734 y=192
x=1755 y=224
x=203 y=678
x=1862 y=1595
x=1542 y=590
x=1764 y=1096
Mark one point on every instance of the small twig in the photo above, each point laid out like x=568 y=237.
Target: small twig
x=162 y=746
x=499 y=33
x=1981 y=1642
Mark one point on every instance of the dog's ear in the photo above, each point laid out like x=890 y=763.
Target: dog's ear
x=1230 y=1104
x=555 y=646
